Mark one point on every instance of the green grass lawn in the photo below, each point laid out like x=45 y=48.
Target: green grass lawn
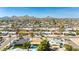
x=19 y=46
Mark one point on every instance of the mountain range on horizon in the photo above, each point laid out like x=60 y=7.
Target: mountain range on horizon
x=32 y=17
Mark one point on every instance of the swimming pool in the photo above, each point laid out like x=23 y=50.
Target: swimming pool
x=33 y=48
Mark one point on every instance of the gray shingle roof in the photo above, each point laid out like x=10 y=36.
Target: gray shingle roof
x=21 y=41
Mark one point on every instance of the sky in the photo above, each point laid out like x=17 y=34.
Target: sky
x=57 y=12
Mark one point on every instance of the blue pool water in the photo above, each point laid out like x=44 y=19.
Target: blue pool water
x=34 y=46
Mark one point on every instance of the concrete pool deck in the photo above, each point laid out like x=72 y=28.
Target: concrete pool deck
x=19 y=49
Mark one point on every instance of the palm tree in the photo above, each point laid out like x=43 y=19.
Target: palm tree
x=31 y=34
x=27 y=45
x=10 y=39
x=54 y=23
x=1 y=38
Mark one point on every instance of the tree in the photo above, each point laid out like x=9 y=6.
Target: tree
x=62 y=28
x=10 y=38
x=26 y=45
x=20 y=36
x=44 y=46
x=1 y=38
x=75 y=49
x=54 y=22
x=17 y=31
x=31 y=34
x=68 y=47
x=13 y=26
x=77 y=31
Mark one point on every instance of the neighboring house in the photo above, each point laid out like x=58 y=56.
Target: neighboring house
x=68 y=32
x=65 y=32
x=12 y=32
x=56 y=42
x=28 y=28
x=2 y=27
x=47 y=33
x=70 y=27
x=4 y=33
x=53 y=28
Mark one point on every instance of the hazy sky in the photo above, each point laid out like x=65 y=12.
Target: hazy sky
x=40 y=11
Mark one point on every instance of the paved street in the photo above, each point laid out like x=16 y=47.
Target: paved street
x=7 y=42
